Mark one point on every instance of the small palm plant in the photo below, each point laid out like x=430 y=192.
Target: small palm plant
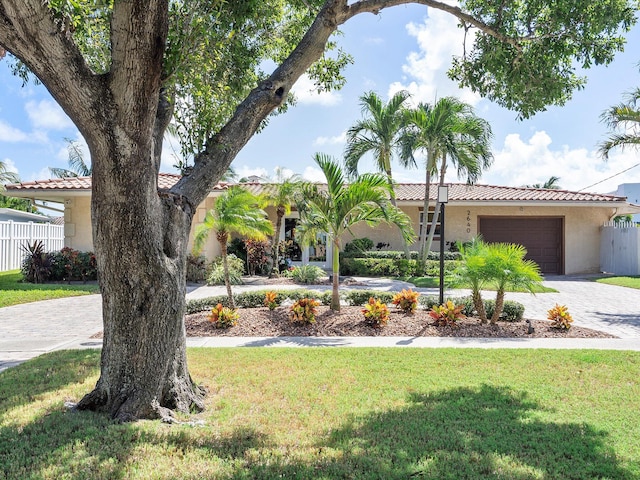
x=507 y=267
x=235 y=211
x=471 y=272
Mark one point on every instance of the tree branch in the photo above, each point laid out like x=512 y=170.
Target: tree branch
x=29 y=31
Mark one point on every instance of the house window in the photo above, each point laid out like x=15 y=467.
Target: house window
x=429 y=221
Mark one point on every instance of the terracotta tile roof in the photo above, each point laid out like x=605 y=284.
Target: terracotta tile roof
x=165 y=180
x=458 y=192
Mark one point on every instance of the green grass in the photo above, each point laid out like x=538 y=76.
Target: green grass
x=341 y=413
x=433 y=282
x=630 y=282
x=14 y=292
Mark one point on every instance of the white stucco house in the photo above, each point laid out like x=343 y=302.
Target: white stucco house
x=560 y=229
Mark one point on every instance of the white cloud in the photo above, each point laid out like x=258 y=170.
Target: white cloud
x=246 y=171
x=11 y=134
x=439 y=39
x=525 y=162
x=337 y=140
x=307 y=94
x=314 y=174
x=10 y=165
x=374 y=40
x=47 y=115
x=42 y=174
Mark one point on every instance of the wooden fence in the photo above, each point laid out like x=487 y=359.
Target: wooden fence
x=620 y=248
x=13 y=235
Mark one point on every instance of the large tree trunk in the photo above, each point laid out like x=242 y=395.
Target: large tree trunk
x=141 y=246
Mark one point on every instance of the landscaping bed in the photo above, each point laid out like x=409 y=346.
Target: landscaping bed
x=350 y=322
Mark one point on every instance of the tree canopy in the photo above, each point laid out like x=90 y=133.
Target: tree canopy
x=122 y=70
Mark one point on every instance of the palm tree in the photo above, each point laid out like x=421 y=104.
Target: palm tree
x=235 y=211
x=340 y=206
x=78 y=167
x=626 y=117
x=550 y=184
x=379 y=133
x=282 y=194
x=506 y=266
x=449 y=130
x=470 y=272
x=7 y=176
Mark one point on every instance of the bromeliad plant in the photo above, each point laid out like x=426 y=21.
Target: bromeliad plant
x=270 y=300
x=406 y=300
x=376 y=313
x=223 y=317
x=304 y=310
x=447 y=314
x=560 y=317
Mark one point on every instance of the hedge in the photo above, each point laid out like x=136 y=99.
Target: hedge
x=388 y=267
x=399 y=255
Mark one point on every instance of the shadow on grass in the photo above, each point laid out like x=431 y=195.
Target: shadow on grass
x=462 y=433
x=21 y=384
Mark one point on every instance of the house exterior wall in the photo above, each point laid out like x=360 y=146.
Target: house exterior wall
x=582 y=226
x=581 y=229
x=77 y=223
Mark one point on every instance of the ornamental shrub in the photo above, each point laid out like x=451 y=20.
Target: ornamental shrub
x=560 y=317
x=307 y=274
x=304 y=310
x=359 y=245
x=271 y=300
x=447 y=314
x=376 y=312
x=216 y=271
x=406 y=300
x=360 y=297
x=223 y=317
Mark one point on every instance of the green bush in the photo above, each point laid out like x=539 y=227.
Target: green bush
x=196 y=268
x=216 y=271
x=255 y=299
x=389 y=267
x=399 y=255
x=307 y=274
x=513 y=311
x=358 y=245
x=64 y=265
x=361 y=297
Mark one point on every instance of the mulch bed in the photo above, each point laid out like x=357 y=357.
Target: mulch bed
x=349 y=322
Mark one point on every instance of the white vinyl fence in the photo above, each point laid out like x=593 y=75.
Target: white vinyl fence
x=13 y=235
x=620 y=249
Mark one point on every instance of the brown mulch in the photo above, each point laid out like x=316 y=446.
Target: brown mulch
x=349 y=322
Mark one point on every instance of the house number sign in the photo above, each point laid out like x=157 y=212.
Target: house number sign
x=468 y=221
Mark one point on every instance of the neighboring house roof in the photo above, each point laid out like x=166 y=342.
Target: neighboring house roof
x=459 y=193
x=20 y=216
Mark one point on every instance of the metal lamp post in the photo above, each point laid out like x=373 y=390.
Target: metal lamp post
x=443 y=199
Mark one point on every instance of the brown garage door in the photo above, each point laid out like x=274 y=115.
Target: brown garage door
x=541 y=236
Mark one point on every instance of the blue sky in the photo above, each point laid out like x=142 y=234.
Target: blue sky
x=402 y=48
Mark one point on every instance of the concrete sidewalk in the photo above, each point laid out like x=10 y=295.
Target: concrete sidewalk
x=29 y=330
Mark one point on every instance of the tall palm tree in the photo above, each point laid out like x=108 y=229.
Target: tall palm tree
x=78 y=167
x=7 y=176
x=338 y=207
x=235 y=211
x=282 y=193
x=447 y=131
x=378 y=133
x=626 y=117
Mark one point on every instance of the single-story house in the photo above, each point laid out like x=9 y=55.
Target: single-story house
x=559 y=228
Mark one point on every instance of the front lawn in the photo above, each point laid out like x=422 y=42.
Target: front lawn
x=341 y=413
x=14 y=292
x=630 y=282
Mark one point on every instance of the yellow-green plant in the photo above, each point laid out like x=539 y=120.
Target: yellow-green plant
x=560 y=317
x=304 y=310
x=376 y=312
x=406 y=300
x=270 y=300
x=447 y=314
x=223 y=317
